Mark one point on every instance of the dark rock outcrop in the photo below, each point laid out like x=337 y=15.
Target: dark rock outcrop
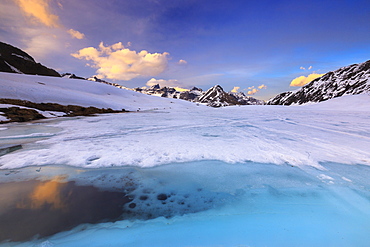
x=14 y=60
x=72 y=76
x=17 y=114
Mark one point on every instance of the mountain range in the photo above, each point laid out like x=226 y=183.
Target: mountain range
x=353 y=79
x=214 y=97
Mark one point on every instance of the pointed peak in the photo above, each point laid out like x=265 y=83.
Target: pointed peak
x=217 y=87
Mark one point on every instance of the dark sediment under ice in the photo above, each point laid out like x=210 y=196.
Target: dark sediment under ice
x=43 y=208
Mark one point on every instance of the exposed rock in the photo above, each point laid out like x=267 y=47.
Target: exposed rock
x=16 y=114
x=14 y=60
x=72 y=76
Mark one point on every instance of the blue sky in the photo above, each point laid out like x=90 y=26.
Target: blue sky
x=256 y=46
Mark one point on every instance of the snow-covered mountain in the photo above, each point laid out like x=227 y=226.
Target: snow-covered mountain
x=215 y=96
x=170 y=92
x=353 y=79
x=14 y=60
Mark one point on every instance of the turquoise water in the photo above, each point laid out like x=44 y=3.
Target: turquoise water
x=212 y=203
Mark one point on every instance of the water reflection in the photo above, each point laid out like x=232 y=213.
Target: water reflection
x=42 y=208
x=46 y=193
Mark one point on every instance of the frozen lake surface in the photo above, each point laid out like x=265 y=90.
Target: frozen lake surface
x=235 y=176
x=207 y=203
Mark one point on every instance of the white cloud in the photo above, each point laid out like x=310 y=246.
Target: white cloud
x=119 y=63
x=76 y=34
x=303 y=68
x=182 y=62
x=303 y=80
x=166 y=83
x=235 y=89
x=253 y=90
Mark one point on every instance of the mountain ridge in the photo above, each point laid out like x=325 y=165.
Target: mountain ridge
x=14 y=60
x=352 y=79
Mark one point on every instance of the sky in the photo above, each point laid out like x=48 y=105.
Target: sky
x=261 y=48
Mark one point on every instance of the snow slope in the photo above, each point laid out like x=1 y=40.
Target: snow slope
x=43 y=89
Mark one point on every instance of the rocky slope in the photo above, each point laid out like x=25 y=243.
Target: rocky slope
x=14 y=60
x=353 y=79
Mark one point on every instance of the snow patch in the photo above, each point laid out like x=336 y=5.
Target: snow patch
x=3 y=118
x=14 y=68
x=25 y=58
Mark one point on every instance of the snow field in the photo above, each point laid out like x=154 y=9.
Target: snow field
x=299 y=136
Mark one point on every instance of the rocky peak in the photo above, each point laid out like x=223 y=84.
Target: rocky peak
x=217 y=97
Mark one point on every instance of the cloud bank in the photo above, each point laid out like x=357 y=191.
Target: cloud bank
x=303 y=80
x=166 y=83
x=39 y=11
x=119 y=63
